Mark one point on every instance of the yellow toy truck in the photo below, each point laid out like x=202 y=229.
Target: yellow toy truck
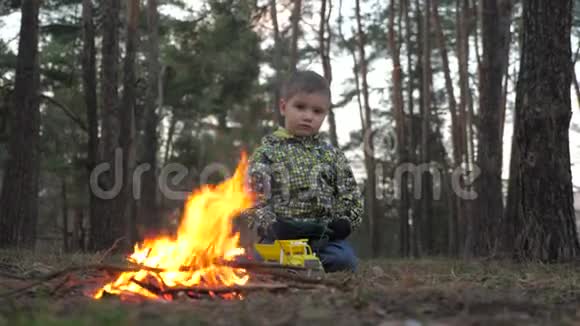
x=290 y=252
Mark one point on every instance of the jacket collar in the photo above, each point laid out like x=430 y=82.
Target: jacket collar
x=283 y=133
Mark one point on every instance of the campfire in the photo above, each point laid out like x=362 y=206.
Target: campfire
x=199 y=257
x=203 y=259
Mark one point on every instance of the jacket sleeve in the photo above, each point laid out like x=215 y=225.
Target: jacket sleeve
x=261 y=215
x=349 y=200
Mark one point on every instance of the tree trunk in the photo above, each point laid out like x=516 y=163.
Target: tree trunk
x=108 y=225
x=487 y=216
x=466 y=14
x=64 y=202
x=77 y=240
x=397 y=100
x=448 y=84
x=415 y=132
x=19 y=199
x=352 y=49
x=368 y=139
x=405 y=230
x=277 y=61
x=127 y=120
x=426 y=181
x=544 y=214
x=471 y=134
x=324 y=42
x=456 y=129
x=90 y=97
x=148 y=201
x=295 y=20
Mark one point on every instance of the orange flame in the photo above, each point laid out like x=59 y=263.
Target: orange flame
x=203 y=238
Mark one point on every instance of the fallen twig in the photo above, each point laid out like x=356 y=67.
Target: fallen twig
x=108 y=251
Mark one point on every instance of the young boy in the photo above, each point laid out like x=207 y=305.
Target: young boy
x=306 y=187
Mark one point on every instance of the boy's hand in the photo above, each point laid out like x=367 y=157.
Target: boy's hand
x=341 y=229
x=284 y=228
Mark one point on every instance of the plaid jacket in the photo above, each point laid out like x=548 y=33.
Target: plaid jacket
x=302 y=178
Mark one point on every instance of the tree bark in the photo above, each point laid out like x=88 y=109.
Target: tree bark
x=465 y=26
x=108 y=225
x=77 y=239
x=542 y=199
x=397 y=100
x=295 y=20
x=65 y=237
x=488 y=215
x=410 y=76
x=19 y=199
x=456 y=129
x=368 y=139
x=90 y=97
x=351 y=50
x=148 y=201
x=408 y=135
x=415 y=131
x=127 y=122
x=457 y=150
x=426 y=204
x=277 y=61
x=324 y=41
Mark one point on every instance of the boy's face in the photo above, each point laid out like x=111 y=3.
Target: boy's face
x=304 y=113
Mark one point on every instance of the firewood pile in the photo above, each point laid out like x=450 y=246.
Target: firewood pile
x=83 y=280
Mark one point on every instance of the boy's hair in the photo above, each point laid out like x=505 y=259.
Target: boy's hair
x=305 y=81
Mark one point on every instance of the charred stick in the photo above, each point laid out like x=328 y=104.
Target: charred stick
x=148 y=286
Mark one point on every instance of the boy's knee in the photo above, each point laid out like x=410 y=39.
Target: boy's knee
x=338 y=256
x=342 y=263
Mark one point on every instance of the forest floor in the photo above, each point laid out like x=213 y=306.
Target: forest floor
x=383 y=292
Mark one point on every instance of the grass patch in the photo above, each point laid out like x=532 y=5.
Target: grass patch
x=386 y=290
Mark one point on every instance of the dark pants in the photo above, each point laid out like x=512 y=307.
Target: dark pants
x=335 y=256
